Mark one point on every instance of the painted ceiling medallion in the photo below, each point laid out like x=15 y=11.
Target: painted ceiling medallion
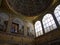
x=29 y=7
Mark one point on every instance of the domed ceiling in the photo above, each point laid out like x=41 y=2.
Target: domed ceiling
x=29 y=7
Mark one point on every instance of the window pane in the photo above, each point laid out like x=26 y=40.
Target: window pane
x=54 y=26
x=46 y=30
x=48 y=22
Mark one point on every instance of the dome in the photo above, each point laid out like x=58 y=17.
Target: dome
x=29 y=7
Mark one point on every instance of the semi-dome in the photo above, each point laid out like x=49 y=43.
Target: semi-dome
x=29 y=7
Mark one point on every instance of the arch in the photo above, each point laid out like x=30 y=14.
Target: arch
x=17 y=25
x=3 y=21
x=57 y=13
x=4 y=16
x=48 y=23
x=18 y=21
x=38 y=28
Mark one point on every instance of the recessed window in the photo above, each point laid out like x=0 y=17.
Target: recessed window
x=48 y=23
x=38 y=28
x=57 y=13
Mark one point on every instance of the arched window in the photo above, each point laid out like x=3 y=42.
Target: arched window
x=38 y=28
x=48 y=23
x=57 y=13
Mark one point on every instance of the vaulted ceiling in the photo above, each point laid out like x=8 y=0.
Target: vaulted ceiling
x=27 y=9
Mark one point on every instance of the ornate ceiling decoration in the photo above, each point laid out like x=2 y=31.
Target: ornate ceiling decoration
x=29 y=7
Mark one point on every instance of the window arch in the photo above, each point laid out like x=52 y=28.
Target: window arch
x=48 y=23
x=38 y=28
x=57 y=13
